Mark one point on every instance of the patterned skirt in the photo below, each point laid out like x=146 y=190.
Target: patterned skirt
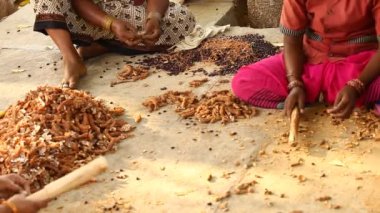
x=177 y=23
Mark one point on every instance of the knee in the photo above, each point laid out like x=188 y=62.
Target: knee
x=180 y=9
x=181 y=15
x=240 y=83
x=7 y=7
x=187 y=14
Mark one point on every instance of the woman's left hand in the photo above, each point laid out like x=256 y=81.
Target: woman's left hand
x=344 y=103
x=152 y=32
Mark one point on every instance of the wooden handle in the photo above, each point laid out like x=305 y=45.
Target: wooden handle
x=71 y=180
x=294 y=122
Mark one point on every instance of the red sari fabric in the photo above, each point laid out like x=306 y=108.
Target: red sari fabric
x=138 y=2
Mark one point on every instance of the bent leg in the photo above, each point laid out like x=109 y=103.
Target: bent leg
x=59 y=14
x=262 y=84
x=340 y=72
x=372 y=94
x=73 y=64
x=52 y=19
x=92 y=50
x=177 y=23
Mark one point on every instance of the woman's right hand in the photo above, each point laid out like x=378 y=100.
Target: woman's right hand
x=12 y=184
x=125 y=32
x=25 y=205
x=295 y=98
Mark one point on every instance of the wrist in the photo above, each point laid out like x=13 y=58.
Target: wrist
x=356 y=84
x=295 y=84
x=154 y=16
x=365 y=81
x=293 y=77
x=5 y=209
x=108 y=21
x=114 y=25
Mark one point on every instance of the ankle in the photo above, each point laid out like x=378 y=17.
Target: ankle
x=73 y=59
x=71 y=56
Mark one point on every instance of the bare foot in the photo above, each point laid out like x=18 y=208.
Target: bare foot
x=73 y=71
x=91 y=51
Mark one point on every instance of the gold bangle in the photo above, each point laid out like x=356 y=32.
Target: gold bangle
x=357 y=84
x=107 y=22
x=295 y=83
x=11 y=206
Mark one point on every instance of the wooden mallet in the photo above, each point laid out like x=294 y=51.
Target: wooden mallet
x=294 y=123
x=71 y=181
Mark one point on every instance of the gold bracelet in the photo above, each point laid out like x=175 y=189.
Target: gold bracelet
x=107 y=22
x=11 y=206
x=357 y=84
x=295 y=83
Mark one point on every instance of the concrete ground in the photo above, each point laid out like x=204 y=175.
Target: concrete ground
x=175 y=165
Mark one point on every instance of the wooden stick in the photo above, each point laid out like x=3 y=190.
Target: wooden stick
x=71 y=180
x=294 y=123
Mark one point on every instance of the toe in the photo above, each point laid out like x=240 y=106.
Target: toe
x=73 y=84
x=65 y=85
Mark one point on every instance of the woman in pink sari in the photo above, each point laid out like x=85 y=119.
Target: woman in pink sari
x=330 y=48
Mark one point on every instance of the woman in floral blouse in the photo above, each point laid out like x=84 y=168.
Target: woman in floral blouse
x=100 y=26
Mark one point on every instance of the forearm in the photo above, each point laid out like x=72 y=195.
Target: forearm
x=294 y=57
x=159 y=6
x=89 y=11
x=4 y=209
x=372 y=70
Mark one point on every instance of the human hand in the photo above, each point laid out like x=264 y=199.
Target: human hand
x=295 y=98
x=12 y=184
x=125 y=32
x=152 y=31
x=344 y=103
x=25 y=205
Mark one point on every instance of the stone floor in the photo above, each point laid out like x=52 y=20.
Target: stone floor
x=168 y=163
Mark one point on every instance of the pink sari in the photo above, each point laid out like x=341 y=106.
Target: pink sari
x=264 y=84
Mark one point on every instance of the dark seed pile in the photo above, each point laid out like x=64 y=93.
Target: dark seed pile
x=228 y=52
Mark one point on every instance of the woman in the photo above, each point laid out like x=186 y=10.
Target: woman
x=13 y=191
x=7 y=7
x=124 y=26
x=330 y=47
